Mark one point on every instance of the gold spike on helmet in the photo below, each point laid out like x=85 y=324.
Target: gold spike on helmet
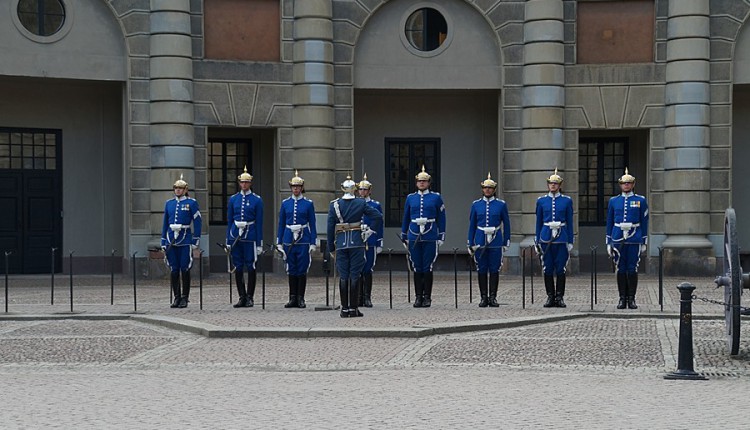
x=555 y=178
x=627 y=177
x=364 y=184
x=245 y=177
x=296 y=180
x=180 y=183
x=489 y=183
x=423 y=176
x=348 y=186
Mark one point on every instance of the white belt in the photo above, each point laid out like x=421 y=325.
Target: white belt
x=488 y=230
x=554 y=224
x=177 y=227
x=296 y=227
x=242 y=224
x=627 y=226
x=422 y=221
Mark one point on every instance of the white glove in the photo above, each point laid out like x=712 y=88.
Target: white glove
x=378 y=249
x=470 y=249
x=643 y=248
x=164 y=249
x=313 y=248
x=193 y=247
x=258 y=250
x=609 y=251
x=474 y=248
x=366 y=232
x=538 y=249
x=440 y=243
x=505 y=249
x=570 y=247
x=280 y=247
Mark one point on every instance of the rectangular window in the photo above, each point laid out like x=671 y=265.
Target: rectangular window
x=404 y=158
x=602 y=161
x=29 y=149
x=226 y=160
x=615 y=32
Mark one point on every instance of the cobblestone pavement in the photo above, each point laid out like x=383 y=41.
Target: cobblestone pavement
x=604 y=370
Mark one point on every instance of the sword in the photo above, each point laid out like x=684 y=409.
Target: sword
x=227 y=250
x=408 y=252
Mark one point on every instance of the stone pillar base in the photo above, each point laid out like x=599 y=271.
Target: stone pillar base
x=689 y=262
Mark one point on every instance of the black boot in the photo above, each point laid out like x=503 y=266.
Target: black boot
x=367 y=289
x=185 y=289
x=354 y=292
x=252 y=278
x=482 y=280
x=174 y=279
x=292 y=303
x=632 y=288
x=494 y=281
x=549 y=285
x=344 y=290
x=301 y=286
x=622 y=289
x=559 y=302
x=240 y=279
x=427 y=288
x=418 y=289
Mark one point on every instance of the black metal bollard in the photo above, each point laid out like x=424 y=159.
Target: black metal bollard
x=327 y=270
x=455 y=275
x=200 y=279
x=112 y=277
x=596 y=278
x=531 y=272
x=52 y=278
x=135 y=290
x=390 y=278
x=7 y=254
x=471 y=275
x=593 y=271
x=408 y=284
x=661 y=278
x=685 y=351
x=263 y=285
x=70 y=260
x=523 y=278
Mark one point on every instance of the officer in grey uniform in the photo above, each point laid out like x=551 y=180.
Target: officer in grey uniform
x=347 y=236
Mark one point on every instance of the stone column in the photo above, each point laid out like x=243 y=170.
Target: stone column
x=171 y=104
x=687 y=137
x=543 y=101
x=312 y=97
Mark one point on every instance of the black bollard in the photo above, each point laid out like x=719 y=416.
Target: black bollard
x=7 y=253
x=135 y=290
x=200 y=279
x=593 y=269
x=471 y=275
x=596 y=277
x=390 y=278
x=661 y=278
x=70 y=260
x=531 y=272
x=112 y=278
x=408 y=284
x=262 y=285
x=523 y=278
x=327 y=271
x=455 y=275
x=52 y=278
x=685 y=351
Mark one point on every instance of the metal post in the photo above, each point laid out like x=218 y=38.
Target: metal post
x=112 y=278
x=523 y=278
x=7 y=253
x=596 y=277
x=230 y=288
x=70 y=260
x=390 y=278
x=327 y=271
x=408 y=284
x=263 y=287
x=531 y=273
x=455 y=275
x=200 y=278
x=685 y=349
x=661 y=278
x=135 y=290
x=52 y=278
x=592 y=277
x=471 y=275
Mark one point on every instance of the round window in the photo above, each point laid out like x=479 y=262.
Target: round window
x=41 y=17
x=426 y=29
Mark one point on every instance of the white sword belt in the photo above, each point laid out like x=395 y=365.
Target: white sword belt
x=488 y=230
x=422 y=221
x=296 y=227
x=552 y=224
x=177 y=227
x=625 y=226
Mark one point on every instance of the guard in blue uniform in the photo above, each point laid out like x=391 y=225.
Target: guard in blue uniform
x=423 y=232
x=554 y=238
x=296 y=239
x=347 y=236
x=245 y=236
x=489 y=238
x=627 y=237
x=178 y=240
x=374 y=243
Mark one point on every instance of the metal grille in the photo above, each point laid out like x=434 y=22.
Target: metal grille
x=29 y=148
x=226 y=158
x=601 y=161
x=404 y=159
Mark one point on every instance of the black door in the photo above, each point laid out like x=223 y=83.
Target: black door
x=30 y=198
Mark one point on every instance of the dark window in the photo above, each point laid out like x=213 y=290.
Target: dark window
x=602 y=161
x=426 y=29
x=41 y=17
x=404 y=159
x=226 y=159
x=33 y=149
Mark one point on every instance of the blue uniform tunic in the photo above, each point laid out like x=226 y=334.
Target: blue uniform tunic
x=627 y=229
x=176 y=235
x=488 y=219
x=423 y=225
x=553 y=208
x=245 y=208
x=297 y=233
x=375 y=241
x=348 y=244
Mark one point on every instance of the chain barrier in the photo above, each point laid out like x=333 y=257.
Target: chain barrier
x=717 y=302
